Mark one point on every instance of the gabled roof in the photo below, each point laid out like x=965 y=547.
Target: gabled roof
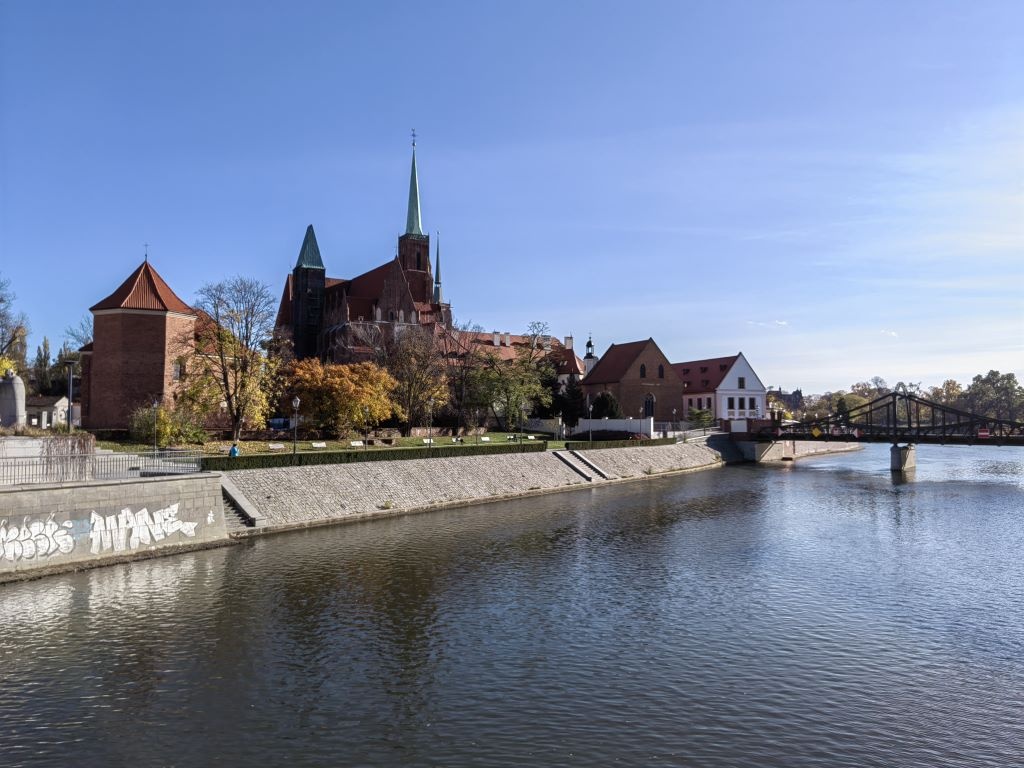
x=44 y=401
x=614 y=363
x=309 y=253
x=370 y=284
x=704 y=375
x=144 y=289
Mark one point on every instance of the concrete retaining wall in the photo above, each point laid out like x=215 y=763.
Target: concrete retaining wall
x=288 y=497
x=786 y=450
x=61 y=527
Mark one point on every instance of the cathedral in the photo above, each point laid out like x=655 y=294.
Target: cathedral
x=345 y=320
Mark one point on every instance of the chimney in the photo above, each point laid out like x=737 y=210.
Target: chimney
x=568 y=342
x=547 y=342
x=508 y=339
x=497 y=339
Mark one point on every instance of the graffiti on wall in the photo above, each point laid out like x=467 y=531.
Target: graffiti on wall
x=35 y=539
x=129 y=530
x=124 y=531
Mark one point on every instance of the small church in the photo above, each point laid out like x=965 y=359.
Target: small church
x=345 y=320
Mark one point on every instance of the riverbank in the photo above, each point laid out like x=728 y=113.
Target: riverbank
x=286 y=498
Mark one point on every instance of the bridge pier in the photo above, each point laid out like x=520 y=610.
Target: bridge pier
x=902 y=458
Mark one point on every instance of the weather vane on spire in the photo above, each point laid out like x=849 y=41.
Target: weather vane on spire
x=146 y=251
x=414 y=138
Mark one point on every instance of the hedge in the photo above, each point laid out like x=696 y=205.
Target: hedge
x=268 y=460
x=583 y=445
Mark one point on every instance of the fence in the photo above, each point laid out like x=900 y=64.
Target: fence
x=82 y=467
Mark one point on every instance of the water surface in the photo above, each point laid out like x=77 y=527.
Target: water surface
x=817 y=614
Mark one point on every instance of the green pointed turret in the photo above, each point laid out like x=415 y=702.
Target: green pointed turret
x=438 y=297
x=413 y=224
x=309 y=254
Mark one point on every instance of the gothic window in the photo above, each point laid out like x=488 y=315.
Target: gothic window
x=391 y=315
x=643 y=371
x=376 y=313
x=649 y=406
x=661 y=371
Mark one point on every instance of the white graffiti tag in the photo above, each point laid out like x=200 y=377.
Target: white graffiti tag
x=35 y=539
x=129 y=530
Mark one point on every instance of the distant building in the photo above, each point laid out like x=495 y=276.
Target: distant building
x=141 y=335
x=344 y=320
x=46 y=412
x=791 y=401
x=727 y=386
x=639 y=376
x=505 y=346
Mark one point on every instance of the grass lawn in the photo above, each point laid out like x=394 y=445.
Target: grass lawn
x=221 y=447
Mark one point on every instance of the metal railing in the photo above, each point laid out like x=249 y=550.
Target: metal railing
x=76 y=468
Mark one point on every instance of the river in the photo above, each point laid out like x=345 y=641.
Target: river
x=820 y=613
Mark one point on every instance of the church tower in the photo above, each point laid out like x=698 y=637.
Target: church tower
x=309 y=279
x=414 y=245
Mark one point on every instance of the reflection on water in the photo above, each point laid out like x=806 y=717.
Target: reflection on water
x=821 y=613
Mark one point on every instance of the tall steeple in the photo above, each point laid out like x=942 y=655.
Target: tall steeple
x=309 y=253
x=438 y=297
x=413 y=225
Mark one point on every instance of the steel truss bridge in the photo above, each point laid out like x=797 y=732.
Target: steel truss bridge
x=900 y=417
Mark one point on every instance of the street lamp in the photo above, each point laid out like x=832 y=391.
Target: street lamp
x=430 y=424
x=590 y=422
x=523 y=409
x=640 y=423
x=70 y=365
x=295 y=426
x=366 y=428
x=156 y=409
x=674 y=427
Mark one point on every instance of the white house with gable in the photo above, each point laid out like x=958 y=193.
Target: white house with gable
x=727 y=386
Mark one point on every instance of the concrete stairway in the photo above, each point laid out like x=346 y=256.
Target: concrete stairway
x=235 y=520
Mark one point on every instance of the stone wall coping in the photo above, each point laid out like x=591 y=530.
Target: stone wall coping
x=29 y=487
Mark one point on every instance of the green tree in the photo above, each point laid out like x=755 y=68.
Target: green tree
x=606 y=407
x=997 y=395
x=701 y=418
x=573 y=403
x=41 y=368
x=416 y=360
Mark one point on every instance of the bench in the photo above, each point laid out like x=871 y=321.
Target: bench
x=428 y=441
x=510 y=437
x=356 y=443
x=457 y=440
x=319 y=445
x=485 y=439
x=275 y=446
x=529 y=437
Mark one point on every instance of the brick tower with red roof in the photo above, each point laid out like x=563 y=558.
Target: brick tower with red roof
x=141 y=333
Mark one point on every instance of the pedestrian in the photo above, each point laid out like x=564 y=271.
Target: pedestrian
x=233 y=453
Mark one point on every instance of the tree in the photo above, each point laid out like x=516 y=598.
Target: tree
x=417 y=362
x=464 y=370
x=336 y=398
x=13 y=330
x=701 y=418
x=997 y=395
x=80 y=335
x=232 y=336
x=606 y=407
x=948 y=393
x=41 y=368
x=573 y=403
x=517 y=386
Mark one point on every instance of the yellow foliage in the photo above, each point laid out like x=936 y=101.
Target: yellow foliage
x=336 y=398
x=7 y=364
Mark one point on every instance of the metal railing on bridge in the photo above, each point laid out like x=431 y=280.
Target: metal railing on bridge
x=76 y=468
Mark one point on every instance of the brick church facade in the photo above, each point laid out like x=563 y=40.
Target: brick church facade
x=347 y=320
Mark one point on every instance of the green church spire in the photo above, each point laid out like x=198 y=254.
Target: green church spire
x=413 y=225
x=309 y=254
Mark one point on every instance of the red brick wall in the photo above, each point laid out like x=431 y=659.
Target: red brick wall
x=631 y=390
x=132 y=364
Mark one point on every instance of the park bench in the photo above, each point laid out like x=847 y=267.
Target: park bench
x=485 y=439
x=319 y=445
x=275 y=446
x=428 y=441
x=356 y=443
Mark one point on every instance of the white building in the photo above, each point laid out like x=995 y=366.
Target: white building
x=727 y=386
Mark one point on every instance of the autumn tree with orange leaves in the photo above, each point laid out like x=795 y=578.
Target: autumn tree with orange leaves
x=337 y=398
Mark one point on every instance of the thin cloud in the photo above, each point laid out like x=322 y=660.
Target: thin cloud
x=893 y=334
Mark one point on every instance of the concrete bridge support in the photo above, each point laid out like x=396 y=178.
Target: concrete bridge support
x=902 y=458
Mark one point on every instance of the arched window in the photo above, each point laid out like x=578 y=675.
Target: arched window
x=391 y=315
x=401 y=315
x=376 y=313
x=661 y=371
x=643 y=371
x=649 y=406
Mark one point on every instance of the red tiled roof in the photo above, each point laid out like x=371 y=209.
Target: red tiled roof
x=87 y=348
x=144 y=289
x=284 y=310
x=370 y=284
x=614 y=363
x=360 y=306
x=704 y=375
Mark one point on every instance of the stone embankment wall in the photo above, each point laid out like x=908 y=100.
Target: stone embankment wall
x=287 y=497
x=46 y=528
x=786 y=450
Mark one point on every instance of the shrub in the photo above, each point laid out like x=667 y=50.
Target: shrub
x=583 y=445
x=167 y=426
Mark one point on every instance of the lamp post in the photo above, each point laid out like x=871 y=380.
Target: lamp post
x=523 y=409
x=156 y=411
x=430 y=424
x=590 y=422
x=70 y=365
x=296 y=402
x=366 y=428
x=640 y=423
x=674 y=427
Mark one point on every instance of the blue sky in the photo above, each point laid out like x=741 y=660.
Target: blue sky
x=834 y=188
